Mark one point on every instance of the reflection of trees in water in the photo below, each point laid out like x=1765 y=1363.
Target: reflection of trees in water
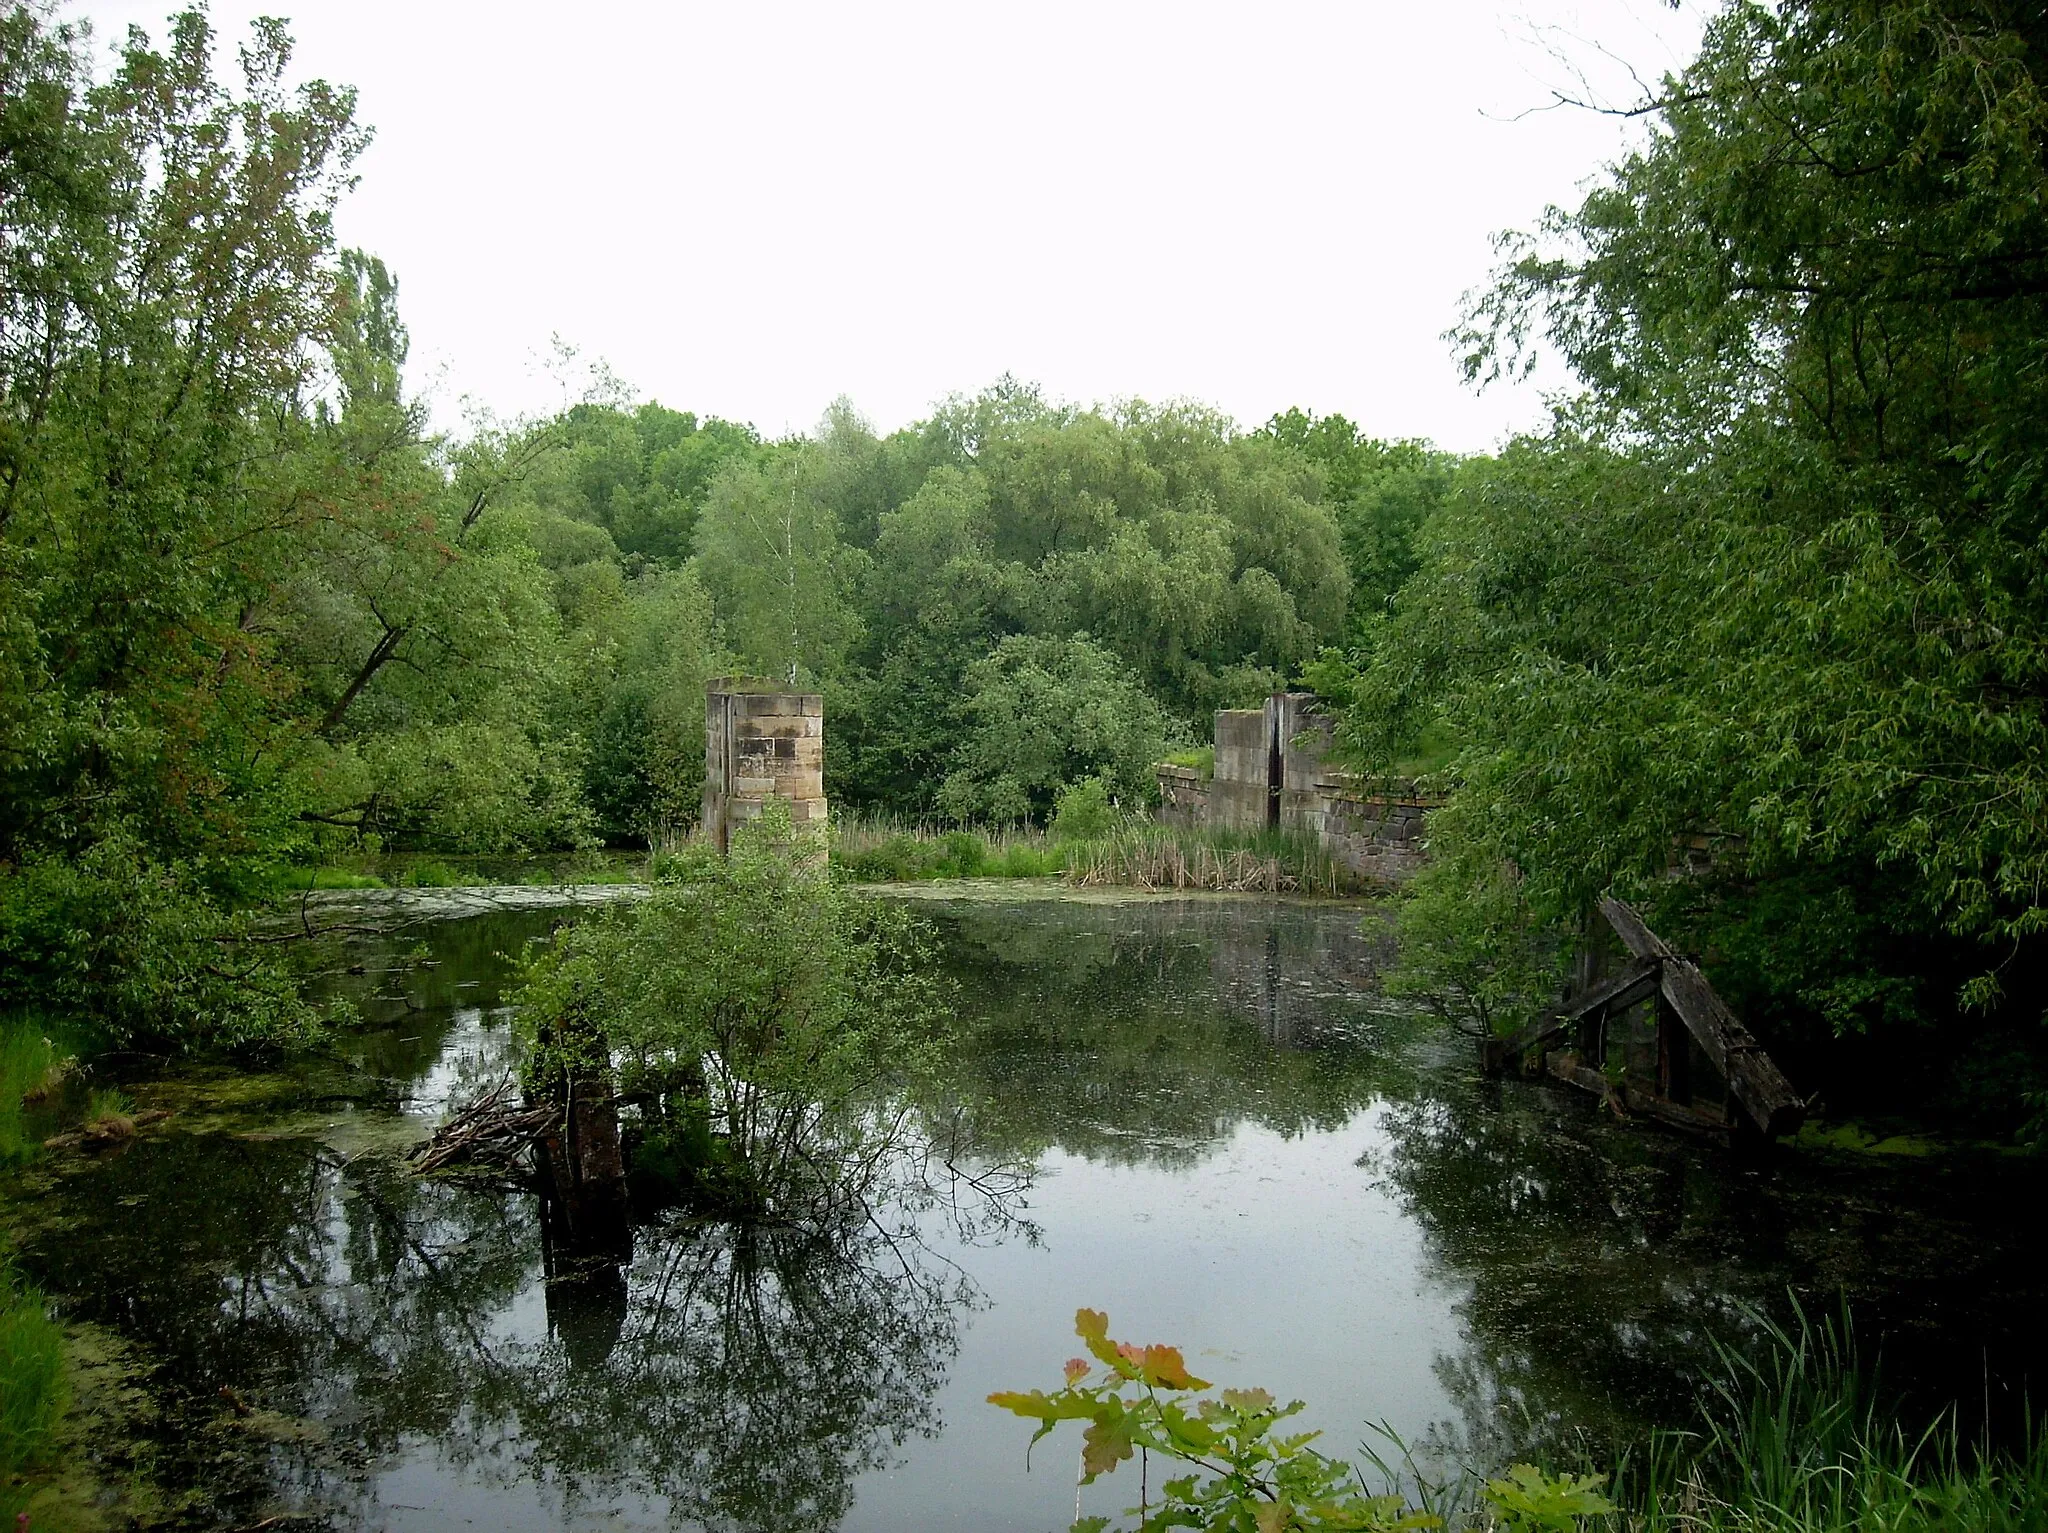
x=755 y=1374
x=1601 y=1266
x=744 y=1378
x=1604 y=1260
x=1147 y=1033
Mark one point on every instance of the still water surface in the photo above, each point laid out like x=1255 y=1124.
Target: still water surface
x=1238 y=1145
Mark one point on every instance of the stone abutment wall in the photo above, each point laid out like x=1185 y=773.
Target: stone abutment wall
x=1270 y=773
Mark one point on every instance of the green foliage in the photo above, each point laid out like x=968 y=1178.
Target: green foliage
x=1084 y=810
x=644 y=649
x=751 y=998
x=168 y=280
x=1527 y=1500
x=1381 y=493
x=1470 y=946
x=1247 y=1477
x=1772 y=582
x=1203 y=559
x=771 y=552
x=254 y=617
x=1043 y=713
x=641 y=475
x=1793 y=1439
x=141 y=953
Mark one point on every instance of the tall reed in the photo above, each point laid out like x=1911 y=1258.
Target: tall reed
x=1144 y=855
x=1795 y=1438
x=32 y=1394
x=31 y=1069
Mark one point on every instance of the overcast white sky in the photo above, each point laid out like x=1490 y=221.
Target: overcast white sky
x=747 y=209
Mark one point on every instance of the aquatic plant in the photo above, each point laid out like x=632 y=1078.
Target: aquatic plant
x=1797 y=1437
x=109 y=1117
x=31 y=1067
x=31 y=1376
x=1149 y=856
x=1247 y=1476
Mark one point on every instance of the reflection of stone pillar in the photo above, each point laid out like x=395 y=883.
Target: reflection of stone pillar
x=760 y=745
x=585 y=1291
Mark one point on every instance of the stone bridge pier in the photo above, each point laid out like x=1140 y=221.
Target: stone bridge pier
x=761 y=744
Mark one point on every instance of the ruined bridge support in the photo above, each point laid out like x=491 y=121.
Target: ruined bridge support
x=761 y=743
x=1271 y=773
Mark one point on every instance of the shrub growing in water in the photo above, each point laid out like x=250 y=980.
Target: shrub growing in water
x=752 y=1013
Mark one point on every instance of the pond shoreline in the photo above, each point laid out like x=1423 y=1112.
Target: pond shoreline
x=454 y=903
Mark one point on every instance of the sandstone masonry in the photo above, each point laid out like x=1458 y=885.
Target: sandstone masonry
x=761 y=744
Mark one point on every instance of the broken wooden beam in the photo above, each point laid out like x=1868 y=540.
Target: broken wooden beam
x=1635 y=983
x=1629 y=1101
x=1754 y=1079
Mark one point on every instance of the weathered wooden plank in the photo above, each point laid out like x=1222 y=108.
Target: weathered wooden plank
x=1616 y=993
x=1635 y=936
x=1628 y=1101
x=1754 y=1079
x=1567 y=1068
x=1678 y=1115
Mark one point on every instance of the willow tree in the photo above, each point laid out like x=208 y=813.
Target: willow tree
x=1777 y=578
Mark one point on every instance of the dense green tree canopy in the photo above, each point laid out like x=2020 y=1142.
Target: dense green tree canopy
x=253 y=612
x=1776 y=578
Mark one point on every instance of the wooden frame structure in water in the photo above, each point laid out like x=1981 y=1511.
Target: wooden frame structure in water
x=1653 y=1038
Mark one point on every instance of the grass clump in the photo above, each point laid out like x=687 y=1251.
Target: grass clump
x=430 y=875
x=32 y=1069
x=1797 y=1438
x=295 y=880
x=109 y=1117
x=1197 y=758
x=32 y=1393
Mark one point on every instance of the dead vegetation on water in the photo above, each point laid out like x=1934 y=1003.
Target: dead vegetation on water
x=1160 y=857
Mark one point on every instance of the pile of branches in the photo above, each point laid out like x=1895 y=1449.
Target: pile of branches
x=492 y=1134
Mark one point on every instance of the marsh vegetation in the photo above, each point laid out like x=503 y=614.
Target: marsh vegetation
x=1751 y=634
